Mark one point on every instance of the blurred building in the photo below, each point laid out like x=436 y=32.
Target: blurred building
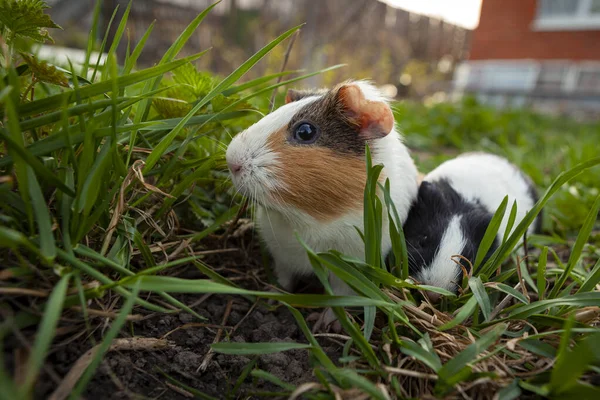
x=539 y=53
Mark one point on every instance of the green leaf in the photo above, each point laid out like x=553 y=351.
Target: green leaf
x=592 y=280
x=511 y=221
x=45 y=72
x=541 y=273
x=34 y=163
x=260 y=374
x=396 y=232
x=481 y=295
x=507 y=247
x=11 y=239
x=451 y=370
x=426 y=356
x=25 y=19
x=195 y=392
x=491 y=233
x=178 y=285
x=510 y=392
x=99 y=88
x=353 y=379
x=463 y=314
x=45 y=333
x=162 y=146
x=571 y=364
x=582 y=238
x=579 y=300
x=255 y=82
x=244 y=349
x=42 y=217
x=87 y=197
x=104 y=346
x=511 y=291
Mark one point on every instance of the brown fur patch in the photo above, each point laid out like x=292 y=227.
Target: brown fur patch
x=318 y=180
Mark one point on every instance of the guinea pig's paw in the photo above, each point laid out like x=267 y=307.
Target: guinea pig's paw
x=325 y=321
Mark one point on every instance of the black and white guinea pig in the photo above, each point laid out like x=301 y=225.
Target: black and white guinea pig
x=455 y=204
x=304 y=168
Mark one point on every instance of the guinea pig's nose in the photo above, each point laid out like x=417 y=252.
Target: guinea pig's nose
x=234 y=168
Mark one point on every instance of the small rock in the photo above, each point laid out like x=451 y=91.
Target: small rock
x=186 y=318
x=187 y=360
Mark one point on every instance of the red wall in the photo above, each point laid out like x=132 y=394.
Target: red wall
x=505 y=32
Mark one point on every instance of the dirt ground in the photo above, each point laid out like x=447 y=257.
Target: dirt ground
x=137 y=373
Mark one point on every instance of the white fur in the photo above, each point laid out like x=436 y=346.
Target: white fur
x=482 y=177
x=277 y=222
x=249 y=149
x=439 y=273
x=487 y=178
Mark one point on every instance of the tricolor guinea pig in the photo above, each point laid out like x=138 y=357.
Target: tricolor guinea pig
x=455 y=204
x=304 y=167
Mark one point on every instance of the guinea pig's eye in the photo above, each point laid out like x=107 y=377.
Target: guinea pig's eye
x=305 y=132
x=423 y=240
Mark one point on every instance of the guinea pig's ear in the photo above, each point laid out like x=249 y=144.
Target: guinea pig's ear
x=295 y=95
x=373 y=118
x=292 y=95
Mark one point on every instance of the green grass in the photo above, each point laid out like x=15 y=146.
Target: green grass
x=72 y=197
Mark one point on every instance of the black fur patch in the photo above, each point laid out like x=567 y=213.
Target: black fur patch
x=428 y=219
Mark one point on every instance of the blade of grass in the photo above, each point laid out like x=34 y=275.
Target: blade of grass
x=316 y=348
x=351 y=378
x=20 y=153
x=491 y=233
x=511 y=291
x=42 y=217
x=260 y=374
x=256 y=82
x=396 y=232
x=454 y=367
x=87 y=252
x=92 y=37
x=235 y=348
x=579 y=300
x=16 y=137
x=103 y=44
x=45 y=334
x=511 y=221
x=159 y=150
x=582 y=238
x=49 y=103
x=106 y=342
x=137 y=51
x=466 y=310
x=195 y=392
x=94 y=273
x=502 y=252
x=143 y=108
x=481 y=295
x=116 y=38
x=541 y=273
x=427 y=357
x=592 y=280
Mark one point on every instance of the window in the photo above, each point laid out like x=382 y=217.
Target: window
x=551 y=77
x=589 y=81
x=567 y=15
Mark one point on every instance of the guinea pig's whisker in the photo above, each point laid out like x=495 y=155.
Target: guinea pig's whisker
x=418 y=252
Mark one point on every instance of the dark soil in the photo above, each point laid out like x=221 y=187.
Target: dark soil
x=141 y=374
